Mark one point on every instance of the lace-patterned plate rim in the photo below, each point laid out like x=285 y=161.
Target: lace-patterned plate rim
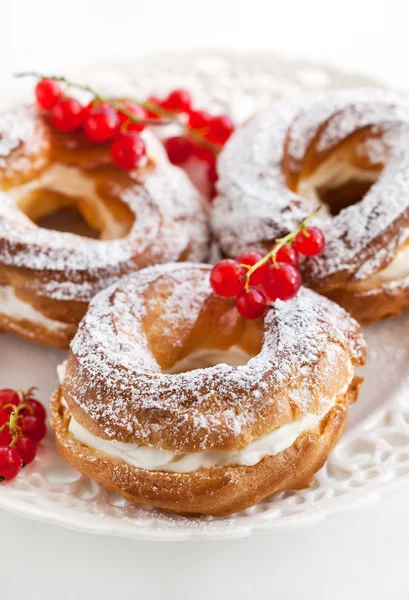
x=373 y=456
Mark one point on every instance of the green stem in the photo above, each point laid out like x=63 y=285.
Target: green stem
x=169 y=116
x=13 y=428
x=279 y=243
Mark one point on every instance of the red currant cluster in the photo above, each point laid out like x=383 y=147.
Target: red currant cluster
x=101 y=120
x=22 y=427
x=258 y=280
x=121 y=123
x=204 y=134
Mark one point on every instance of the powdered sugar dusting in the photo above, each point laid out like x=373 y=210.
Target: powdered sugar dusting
x=170 y=223
x=19 y=126
x=255 y=206
x=114 y=378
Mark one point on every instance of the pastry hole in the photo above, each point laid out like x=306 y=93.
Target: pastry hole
x=345 y=195
x=203 y=359
x=209 y=332
x=66 y=199
x=337 y=184
x=69 y=220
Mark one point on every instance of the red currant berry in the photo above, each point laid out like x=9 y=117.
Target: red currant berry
x=151 y=112
x=8 y=410
x=179 y=100
x=281 y=282
x=9 y=397
x=101 y=125
x=67 y=114
x=27 y=449
x=250 y=259
x=220 y=129
x=251 y=304
x=4 y=416
x=310 y=241
x=10 y=463
x=5 y=437
x=225 y=278
x=203 y=153
x=199 y=119
x=33 y=427
x=138 y=112
x=47 y=92
x=179 y=149
x=212 y=176
x=288 y=255
x=212 y=172
x=38 y=409
x=128 y=150
x=95 y=107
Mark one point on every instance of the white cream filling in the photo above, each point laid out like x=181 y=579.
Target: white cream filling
x=397 y=270
x=14 y=308
x=153 y=459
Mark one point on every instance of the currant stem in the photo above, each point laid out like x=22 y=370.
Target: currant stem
x=14 y=429
x=29 y=393
x=169 y=116
x=279 y=243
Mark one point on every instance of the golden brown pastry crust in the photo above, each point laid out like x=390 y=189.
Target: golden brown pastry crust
x=371 y=306
x=216 y=491
x=57 y=338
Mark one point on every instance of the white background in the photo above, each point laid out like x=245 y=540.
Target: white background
x=356 y=555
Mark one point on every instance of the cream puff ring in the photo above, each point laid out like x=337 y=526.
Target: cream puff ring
x=147 y=216
x=171 y=398
x=346 y=152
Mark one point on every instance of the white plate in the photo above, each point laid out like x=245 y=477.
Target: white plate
x=373 y=455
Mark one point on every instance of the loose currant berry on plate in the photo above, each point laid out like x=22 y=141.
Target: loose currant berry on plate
x=225 y=278
x=199 y=119
x=38 y=409
x=251 y=304
x=138 y=112
x=128 y=150
x=220 y=129
x=179 y=100
x=47 y=92
x=33 y=427
x=8 y=396
x=10 y=463
x=101 y=125
x=287 y=254
x=67 y=114
x=310 y=241
x=179 y=149
x=281 y=282
x=6 y=437
x=250 y=259
x=27 y=449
